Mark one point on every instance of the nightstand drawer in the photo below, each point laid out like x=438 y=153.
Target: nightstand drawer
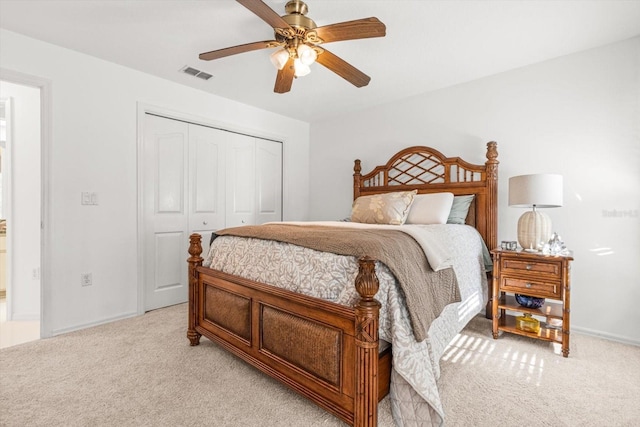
x=529 y=287
x=520 y=266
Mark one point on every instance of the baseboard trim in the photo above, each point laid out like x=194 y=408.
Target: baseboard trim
x=95 y=323
x=605 y=335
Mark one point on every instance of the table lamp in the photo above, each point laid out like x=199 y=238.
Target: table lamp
x=535 y=191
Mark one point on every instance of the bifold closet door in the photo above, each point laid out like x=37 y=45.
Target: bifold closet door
x=183 y=193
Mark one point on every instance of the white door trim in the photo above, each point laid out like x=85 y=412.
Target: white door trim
x=144 y=108
x=7 y=202
x=46 y=149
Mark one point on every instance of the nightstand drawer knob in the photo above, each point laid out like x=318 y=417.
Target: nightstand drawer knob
x=528 y=266
x=528 y=285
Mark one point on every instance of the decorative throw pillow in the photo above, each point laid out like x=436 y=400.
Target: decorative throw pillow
x=388 y=208
x=430 y=208
x=460 y=209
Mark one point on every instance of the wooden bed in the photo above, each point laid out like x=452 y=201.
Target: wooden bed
x=327 y=352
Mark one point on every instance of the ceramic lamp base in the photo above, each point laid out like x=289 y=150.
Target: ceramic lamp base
x=534 y=228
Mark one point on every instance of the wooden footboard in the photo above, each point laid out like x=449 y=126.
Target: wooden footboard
x=324 y=351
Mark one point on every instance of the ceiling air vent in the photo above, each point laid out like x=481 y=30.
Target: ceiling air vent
x=196 y=73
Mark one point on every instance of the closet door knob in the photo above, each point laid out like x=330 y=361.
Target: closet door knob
x=205 y=222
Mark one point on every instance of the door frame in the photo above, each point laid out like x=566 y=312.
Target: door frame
x=144 y=108
x=7 y=196
x=46 y=149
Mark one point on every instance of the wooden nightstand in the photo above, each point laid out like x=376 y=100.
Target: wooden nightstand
x=537 y=275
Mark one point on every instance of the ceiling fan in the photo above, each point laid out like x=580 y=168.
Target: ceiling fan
x=299 y=38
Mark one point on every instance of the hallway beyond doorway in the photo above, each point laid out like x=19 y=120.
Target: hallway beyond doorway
x=16 y=332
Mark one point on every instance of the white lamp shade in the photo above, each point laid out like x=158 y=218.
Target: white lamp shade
x=539 y=190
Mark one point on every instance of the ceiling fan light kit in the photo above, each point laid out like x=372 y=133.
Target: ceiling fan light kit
x=298 y=37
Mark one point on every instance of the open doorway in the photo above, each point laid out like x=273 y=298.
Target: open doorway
x=20 y=213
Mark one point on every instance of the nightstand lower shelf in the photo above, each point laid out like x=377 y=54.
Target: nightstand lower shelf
x=546 y=334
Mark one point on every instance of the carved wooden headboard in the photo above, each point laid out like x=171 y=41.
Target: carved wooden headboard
x=429 y=171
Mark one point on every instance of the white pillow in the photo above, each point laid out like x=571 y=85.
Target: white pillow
x=431 y=208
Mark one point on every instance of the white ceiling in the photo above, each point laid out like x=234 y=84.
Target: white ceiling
x=429 y=44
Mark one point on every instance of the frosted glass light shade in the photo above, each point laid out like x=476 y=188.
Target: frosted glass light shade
x=301 y=69
x=306 y=54
x=534 y=229
x=279 y=58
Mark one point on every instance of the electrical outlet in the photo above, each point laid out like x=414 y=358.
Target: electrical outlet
x=85 y=279
x=89 y=198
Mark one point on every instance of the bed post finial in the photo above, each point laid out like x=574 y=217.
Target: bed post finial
x=356 y=179
x=367 y=312
x=492 y=160
x=195 y=261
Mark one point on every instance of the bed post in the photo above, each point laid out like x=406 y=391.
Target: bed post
x=492 y=219
x=195 y=261
x=356 y=179
x=367 y=314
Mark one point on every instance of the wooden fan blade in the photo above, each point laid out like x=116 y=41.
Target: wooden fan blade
x=228 y=51
x=284 y=79
x=343 y=69
x=265 y=13
x=351 y=30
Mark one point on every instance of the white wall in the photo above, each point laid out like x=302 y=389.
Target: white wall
x=577 y=115
x=94 y=149
x=24 y=222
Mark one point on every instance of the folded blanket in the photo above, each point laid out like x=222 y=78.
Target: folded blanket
x=426 y=291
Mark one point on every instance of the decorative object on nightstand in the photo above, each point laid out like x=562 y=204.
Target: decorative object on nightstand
x=529 y=302
x=523 y=277
x=535 y=191
x=527 y=323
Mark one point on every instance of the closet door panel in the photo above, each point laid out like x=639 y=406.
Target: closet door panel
x=241 y=178
x=164 y=211
x=268 y=181
x=206 y=181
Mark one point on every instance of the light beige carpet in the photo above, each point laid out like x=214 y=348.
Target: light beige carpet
x=142 y=372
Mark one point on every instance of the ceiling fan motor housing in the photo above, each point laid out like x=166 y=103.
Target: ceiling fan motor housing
x=295 y=17
x=296 y=6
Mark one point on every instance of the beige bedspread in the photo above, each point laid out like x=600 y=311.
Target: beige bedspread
x=427 y=292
